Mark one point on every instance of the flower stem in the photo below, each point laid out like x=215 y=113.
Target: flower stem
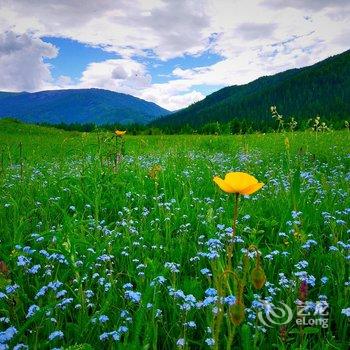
x=235 y=215
x=234 y=226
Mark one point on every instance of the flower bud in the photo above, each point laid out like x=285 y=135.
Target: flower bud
x=237 y=312
x=3 y=268
x=303 y=291
x=258 y=277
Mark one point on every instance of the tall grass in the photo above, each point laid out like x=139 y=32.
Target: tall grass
x=118 y=259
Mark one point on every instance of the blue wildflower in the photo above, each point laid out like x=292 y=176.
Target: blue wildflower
x=32 y=310
x=23 y=261
x=135 y=297
x=34 y=269
x=210 y=341
x=180 y=342
x=346 y=312
x=7 y=335
x=211 y=292
x=56 y=335
x=103 y=319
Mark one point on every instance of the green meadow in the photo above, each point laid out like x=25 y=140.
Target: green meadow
x=130 y=252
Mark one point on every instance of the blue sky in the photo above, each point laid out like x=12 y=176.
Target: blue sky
x=173 y=53
x=74 y=57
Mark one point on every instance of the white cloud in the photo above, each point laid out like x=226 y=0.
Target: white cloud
x=165 y=28
x=173 y=101
x=308 y=4
x=123 y=75
x=253 y=31
x=62 y=82
x=131 y=77
x=177 y=28
x=21 y=62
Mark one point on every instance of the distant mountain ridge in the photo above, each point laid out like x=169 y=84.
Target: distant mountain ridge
x=321 y=89
x=78 y=106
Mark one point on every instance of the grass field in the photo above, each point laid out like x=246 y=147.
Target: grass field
x=130 y=255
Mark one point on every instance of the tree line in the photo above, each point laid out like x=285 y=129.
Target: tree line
x=234 y=126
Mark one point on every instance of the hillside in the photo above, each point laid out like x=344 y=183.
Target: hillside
x=321 y=89
x=78 y=106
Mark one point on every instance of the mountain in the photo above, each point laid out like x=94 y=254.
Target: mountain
x=4 y=94
x=78 y=106
x=321 y=89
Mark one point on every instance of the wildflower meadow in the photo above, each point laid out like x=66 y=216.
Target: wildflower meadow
x=114 y=241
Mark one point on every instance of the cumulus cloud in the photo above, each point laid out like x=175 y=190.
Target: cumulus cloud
x=165 y=28
x=131 y=77
x=123 y=75
x=252 y=31
x=178 y=28
x=308 y=4
x=63 y=81
x=53 y=15
x=119 y=73
x=22 y=62
x=171 y=101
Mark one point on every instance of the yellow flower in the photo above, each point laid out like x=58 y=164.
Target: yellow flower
x=238 y=182
x=120 y=133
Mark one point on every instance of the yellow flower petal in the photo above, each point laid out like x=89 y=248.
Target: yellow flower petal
x=223 y=185
x=252 y=188
x=120 y=132
x=239 y=180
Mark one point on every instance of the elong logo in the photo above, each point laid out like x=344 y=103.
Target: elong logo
x=306 y=315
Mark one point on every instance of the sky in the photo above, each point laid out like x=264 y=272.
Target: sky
x=171 y=52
